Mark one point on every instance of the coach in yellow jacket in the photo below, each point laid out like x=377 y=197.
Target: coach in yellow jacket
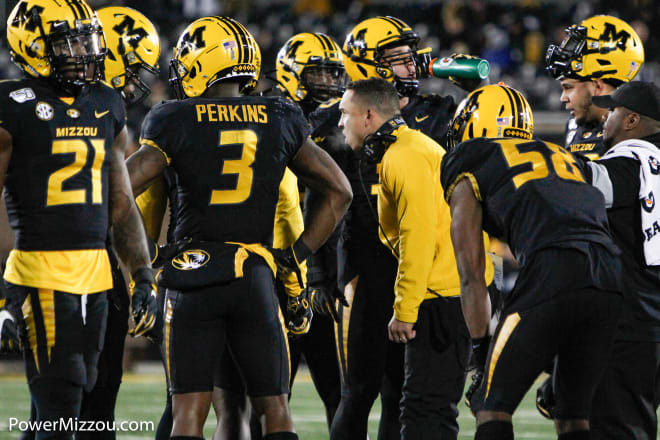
x=414 y=224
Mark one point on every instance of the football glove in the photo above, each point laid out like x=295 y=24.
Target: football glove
x=9 y=342
x=323 y=302
x=298 y=314
x=545 y=399
x=466 y=84
x=478 y=364
x=144 y=304
x=289 y=259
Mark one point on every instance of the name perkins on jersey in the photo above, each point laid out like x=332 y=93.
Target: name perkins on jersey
x=231 y=113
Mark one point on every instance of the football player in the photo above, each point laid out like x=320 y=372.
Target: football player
x=310 y=71
x=59 y=270
x=229 y=153
x=133 y=46
x=596 y=57
x=532 y=195
x=381 y=47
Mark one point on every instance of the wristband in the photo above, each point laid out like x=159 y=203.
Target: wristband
x=143 y=274
x=300 y=251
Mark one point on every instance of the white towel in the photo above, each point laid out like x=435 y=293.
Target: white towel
x=648 y=156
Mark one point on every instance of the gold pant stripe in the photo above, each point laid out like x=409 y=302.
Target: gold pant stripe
x=239 y=259
x=28 y=316
x=349 y=293
x=337 y=347
x=47 y=303
x=509 y=325
x=286 y=340
x=168 y=323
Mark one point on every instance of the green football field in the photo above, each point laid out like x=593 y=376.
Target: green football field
x=142 y=399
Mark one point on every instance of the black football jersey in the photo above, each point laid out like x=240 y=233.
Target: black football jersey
x=227 y=158
x=430 y=114
x=58 y=177
x=586 y=139
x=532 y=193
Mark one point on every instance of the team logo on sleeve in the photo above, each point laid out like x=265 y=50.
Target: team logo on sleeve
x=22 y=95
x=654 y=165
x=648 y=202
x=44 y=111
x=191 y=259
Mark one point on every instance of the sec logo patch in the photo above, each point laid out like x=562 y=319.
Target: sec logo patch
x=44 y=111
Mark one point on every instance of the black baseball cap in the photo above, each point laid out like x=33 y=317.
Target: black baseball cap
x=639 y=96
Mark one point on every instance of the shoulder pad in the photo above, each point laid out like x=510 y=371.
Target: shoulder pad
x=330 y=103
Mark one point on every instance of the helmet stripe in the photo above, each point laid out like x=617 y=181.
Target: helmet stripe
x=521 y=108
x=242 y=41
x=73 y=9
x=401 y=23
x=80 y=8
x=232 y=30
x=513 y=105
x=392 y=22
x=322 y=41
x=332 y=47
x=250 y=47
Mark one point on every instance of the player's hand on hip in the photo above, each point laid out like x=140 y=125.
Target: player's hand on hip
x=400 y=331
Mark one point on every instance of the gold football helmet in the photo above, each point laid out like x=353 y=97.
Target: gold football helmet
x=58 y=40
x=213 y=49
x=492 y=111
x=133 y=44
x=601 y=47
x=363 y=52
x=310 y=66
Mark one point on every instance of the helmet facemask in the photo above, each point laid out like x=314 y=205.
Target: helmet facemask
x=418 y=58
x=135 y=89
x=76 y=55
x=323 y=81
x=558 y=59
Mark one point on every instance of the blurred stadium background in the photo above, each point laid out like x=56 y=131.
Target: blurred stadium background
x=511 y=34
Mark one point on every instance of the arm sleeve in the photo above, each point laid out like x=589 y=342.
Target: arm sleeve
x=295 y=128
x=623 y=176
x=8 y=112
x=118 y=110
x=288 y=227
x=160 y=131
x=152 y=204
x=409 y=178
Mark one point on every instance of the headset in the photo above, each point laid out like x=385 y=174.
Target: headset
x=375 y=144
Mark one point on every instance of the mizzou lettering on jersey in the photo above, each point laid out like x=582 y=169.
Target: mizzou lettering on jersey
x=76 y=131
x=586 y=139
x=524 y=181
x=231 y=113
x=228 y=156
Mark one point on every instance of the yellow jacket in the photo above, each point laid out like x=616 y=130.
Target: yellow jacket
x=416 y=221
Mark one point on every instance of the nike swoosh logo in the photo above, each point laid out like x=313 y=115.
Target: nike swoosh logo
x=100 y=115
x=421 y=118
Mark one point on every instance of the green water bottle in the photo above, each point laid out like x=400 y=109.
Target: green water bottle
x=469 y=68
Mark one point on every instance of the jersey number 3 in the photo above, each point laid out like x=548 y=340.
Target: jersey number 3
x=241 y=167
x=56 y=194
x=562 y=162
